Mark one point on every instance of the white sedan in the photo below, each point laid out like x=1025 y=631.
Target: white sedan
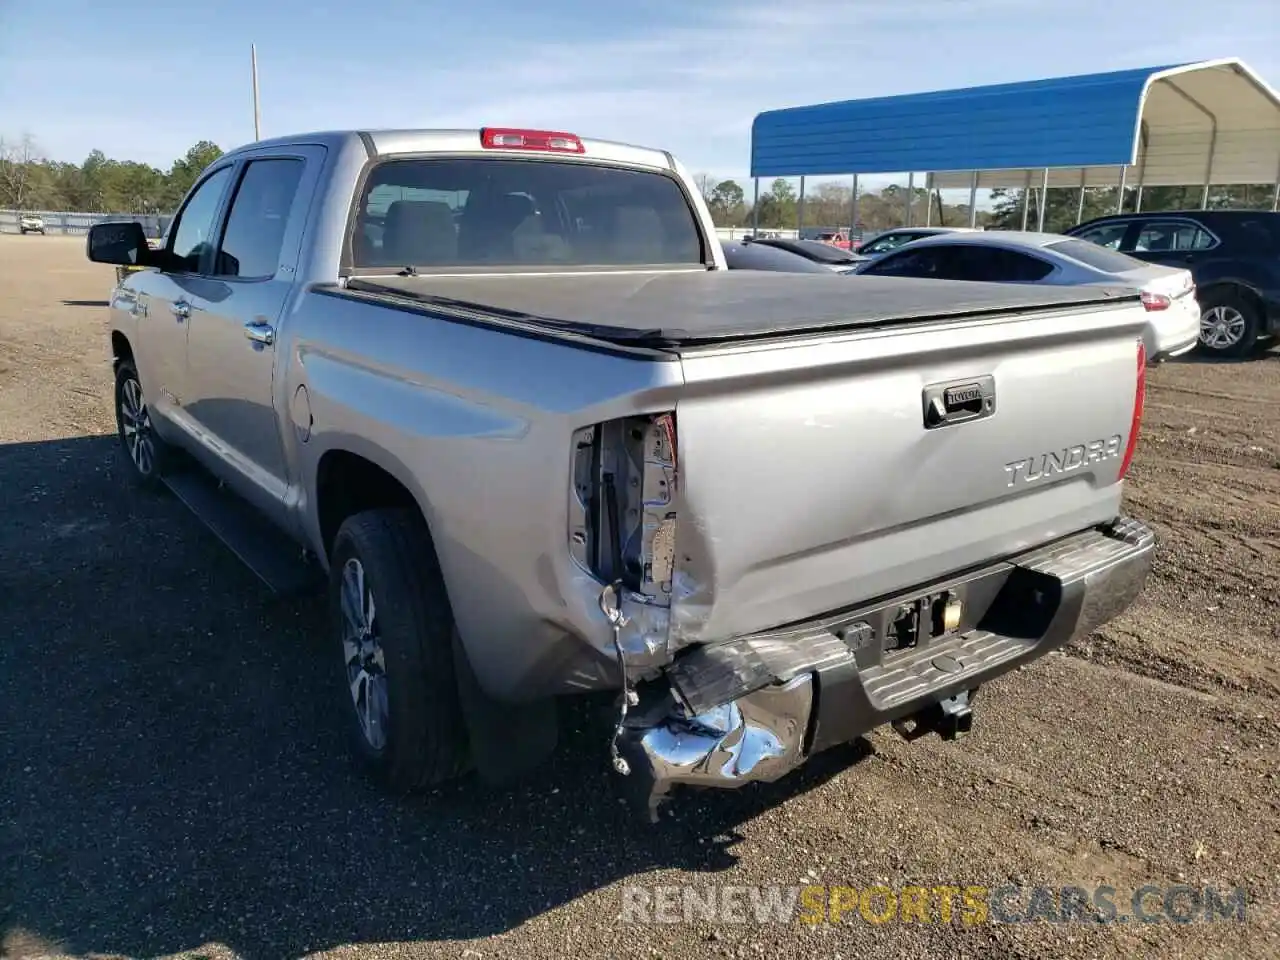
x=1009 y=256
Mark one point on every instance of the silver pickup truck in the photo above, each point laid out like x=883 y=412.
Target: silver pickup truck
x=500 y=386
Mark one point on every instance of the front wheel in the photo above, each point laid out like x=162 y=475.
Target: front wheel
x=394 y=627
x=146 y=453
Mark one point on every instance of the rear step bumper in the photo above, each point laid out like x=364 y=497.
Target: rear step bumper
x=756 y=707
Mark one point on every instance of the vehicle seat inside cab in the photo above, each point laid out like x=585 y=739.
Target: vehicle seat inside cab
x=419 y=232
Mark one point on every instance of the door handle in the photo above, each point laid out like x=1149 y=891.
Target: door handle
x=181 y=310
x=959 y=401
x=260 y=333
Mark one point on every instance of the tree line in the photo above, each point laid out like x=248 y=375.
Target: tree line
x=1062 y=204
x=29 y=181
x=828 y=205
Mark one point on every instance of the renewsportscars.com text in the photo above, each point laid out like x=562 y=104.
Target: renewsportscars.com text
x=968 y=905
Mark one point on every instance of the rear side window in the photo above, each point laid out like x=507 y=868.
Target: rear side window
x=1173 y=236
x=1091 y=255
x=995 y=265
x=928 y=263
x=890 y=241
x=1109 y=235
x=442 y=213
x=259 y=215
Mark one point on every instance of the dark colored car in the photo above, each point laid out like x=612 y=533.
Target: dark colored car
x=757 y=255
x=818 y=251
x=1233 y=256
x=889 y=240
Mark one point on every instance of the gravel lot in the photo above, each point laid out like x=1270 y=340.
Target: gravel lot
x=174 y=781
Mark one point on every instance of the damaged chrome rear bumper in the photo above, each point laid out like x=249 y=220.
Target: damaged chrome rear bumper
x=754 y=708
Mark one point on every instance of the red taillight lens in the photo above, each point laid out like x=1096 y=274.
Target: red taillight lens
x=1139 y=397
x=1156 y=301
x=507 y=138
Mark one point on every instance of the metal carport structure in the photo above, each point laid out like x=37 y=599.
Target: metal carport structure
x=1208 y=122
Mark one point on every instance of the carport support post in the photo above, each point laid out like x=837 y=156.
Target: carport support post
x=1044 y=200
x=1142 y=167
x=1124 y=173
x=911 y=190
x=755 y=209
x=928 y=199
x=853 y=211
x=973 y=200
x=1084 y=178
x=1026 y=200
x=800 y=211
x=1208 y=168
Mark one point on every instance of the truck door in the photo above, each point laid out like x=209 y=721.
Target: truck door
x=232 y=343
x=164 y=299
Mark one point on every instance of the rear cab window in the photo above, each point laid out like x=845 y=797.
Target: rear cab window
x=445 y=213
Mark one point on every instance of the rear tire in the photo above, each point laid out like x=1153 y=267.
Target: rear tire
x=1229 y=325
x=145 y=454
x=394 y=630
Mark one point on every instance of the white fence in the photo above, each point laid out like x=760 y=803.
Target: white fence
x=71 y=223
x=737 y=233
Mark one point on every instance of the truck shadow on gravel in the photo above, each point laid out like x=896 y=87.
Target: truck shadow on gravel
x=174 y=768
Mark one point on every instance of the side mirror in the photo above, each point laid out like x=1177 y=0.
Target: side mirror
x=123 y=244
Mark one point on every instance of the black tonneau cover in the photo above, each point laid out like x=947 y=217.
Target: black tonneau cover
x=677 y=308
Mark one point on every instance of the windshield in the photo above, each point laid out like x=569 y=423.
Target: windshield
x=1092 y=255
x=445 y=213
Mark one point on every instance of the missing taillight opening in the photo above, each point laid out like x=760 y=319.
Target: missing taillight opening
x=622 y=517
x=1135 y=422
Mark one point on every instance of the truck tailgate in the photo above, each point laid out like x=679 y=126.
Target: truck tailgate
x=818 y=474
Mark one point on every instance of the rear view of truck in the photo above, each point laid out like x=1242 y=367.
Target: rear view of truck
x=544 y=443
x=860 y=525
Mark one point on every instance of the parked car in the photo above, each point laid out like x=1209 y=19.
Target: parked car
x=834 y=238
x=887 y=240
x=762 y=255
x=1233 y=255
x=30 y=223
x=1010 y=256
x=816 y=251
x=551 y=445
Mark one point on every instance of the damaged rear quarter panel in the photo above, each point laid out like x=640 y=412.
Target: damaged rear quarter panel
x=478 y=424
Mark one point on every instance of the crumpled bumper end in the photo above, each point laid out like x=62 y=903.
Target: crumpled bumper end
x=757 y=737
x=754 y=708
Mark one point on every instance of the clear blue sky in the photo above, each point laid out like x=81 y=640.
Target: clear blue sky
x=145 y=80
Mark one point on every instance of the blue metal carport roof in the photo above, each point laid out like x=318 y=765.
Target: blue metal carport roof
x=1089 y=121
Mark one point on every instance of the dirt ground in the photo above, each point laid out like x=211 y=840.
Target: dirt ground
x=174 y=780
